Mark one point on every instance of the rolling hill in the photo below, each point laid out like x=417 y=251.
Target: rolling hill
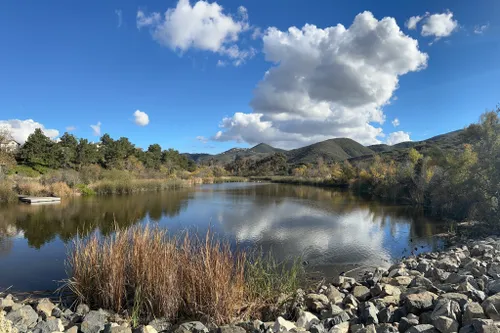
x=336 y=150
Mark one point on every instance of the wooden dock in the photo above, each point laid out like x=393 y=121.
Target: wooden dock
x=39 y=200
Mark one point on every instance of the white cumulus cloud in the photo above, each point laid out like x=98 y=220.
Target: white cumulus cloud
x=439 y=25
x=397 y=137
x=326 y=83
x=21 y=129
x=96 y=129
x=479 y=29
x=395 y=122
x=141 y=118
x=413 y=21
x=202 y=26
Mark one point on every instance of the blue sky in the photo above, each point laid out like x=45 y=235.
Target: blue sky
x=75 y=64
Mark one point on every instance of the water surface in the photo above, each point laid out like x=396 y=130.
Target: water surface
x=332 y=230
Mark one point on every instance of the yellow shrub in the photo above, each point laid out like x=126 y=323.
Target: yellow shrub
x=60 y=189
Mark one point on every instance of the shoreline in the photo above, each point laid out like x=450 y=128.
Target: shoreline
x=454 y=290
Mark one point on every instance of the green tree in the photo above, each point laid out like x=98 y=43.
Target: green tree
x=86 y=153
x=38 y=150
x=67 y=145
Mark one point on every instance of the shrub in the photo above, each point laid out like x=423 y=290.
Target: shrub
x=68 y=176
x=24 y=170
x=7 y=193
x=31 y=188
x=90 y=173
x=60 y=189
x=85 y=190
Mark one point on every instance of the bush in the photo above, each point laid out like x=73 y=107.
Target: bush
x=90 y=173
x=68 y=176
x=31 y=188
x=7 y=193
x=85 y=190
x=60 y=189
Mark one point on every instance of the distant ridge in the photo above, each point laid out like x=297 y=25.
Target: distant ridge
x=334 y=150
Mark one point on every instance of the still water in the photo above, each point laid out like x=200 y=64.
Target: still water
x=333 y=231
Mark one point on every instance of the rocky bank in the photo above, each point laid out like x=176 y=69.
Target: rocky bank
x=457 y=290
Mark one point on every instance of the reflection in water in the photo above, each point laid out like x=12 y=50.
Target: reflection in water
x=330 y=229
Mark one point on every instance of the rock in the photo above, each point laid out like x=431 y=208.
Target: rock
x=386 y=328
x=351 y=300
x=94 y=321
x=49 y=326
x=144 y=329
x=494 y=270
x=193 y=327
x=472 y=311
x=161 y=324
x=455 y=278
x=334 y=295
x=23 y=318
x=56 y=312
x=118 y=329
x=493 y=287
x=418 y=303
x=445 y=325
x=282 y=325
x=6 y=302
x=422 y=328
x=231 y=329
x=305 y=320
x=339 y=280
x=480 y=326
x=420 y=281
x=369 y=313
x=317 y=328
x=340 y=318
x=6 y=326
x=316 y=302
x=425 y=318
x=45 y=306
x=449 y=264
x=82 y=309
x=423 y=266
x=491 y=307
x=446 y=308
x=457 y=297
x=361 y=293
x=386 y=315
x=73 y=329
x=340 y=328
x=405 y=324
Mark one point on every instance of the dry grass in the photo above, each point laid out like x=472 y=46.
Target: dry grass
x=7 y=193
x=145 y=273
x=60 y=189
x=31 y=188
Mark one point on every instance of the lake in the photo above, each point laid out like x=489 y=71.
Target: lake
x=332 y=230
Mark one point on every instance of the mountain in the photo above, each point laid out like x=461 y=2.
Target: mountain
x=333 y=150
x=336 y=150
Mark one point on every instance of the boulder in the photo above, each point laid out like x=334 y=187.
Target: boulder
x=405 y=323
x=305 y=320
x=23 y=318
x=445 y=325
x=361 y=293
x=446 y=308
x=422 y=328
x=340 y=328
x=418 y=303
x=231 y=329
x=473 y=311
x=6 y=302
x=161 y=324
x=317 y=328
x=282 y=325
x=401 y=281
x=369 y=313
x=144 y=329
x=334 y=295
x=6 y=326
x=340 y=318
x=45 y=307
x=94 y=321
x=316 y=302
x=480 y=326
x=82 y=309
x=49 y=326
x=491 y=307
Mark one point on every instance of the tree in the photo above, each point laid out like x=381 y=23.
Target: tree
x=68 y=144
x=38 y=150
x=86 y=153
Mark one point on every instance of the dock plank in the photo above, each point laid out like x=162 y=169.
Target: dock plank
x=39 y=200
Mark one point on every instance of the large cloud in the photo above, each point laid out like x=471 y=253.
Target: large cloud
x=327 y=83
x=21 y=129
x=397 y=137
x=203 y=26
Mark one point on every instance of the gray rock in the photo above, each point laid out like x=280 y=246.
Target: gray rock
x=316 y=302
x=45 y=306
x=449 y=264
x=421 y=302
x=461 y=299
x=386 y=315
x=422 y=328
x=351 y=300
x=161 y=324
x=305 y=320
x=446 y=308
x=282 y=325
x=406 y=323
x=493 y=287
x=231 y=329
x=340 y=328
x=369 y=313
x=317 y=328
x=423 y=266
x=6 y=302
x=362 y=293
x=445 y=324
x=144 y=329
x=82 y=309
x=23 y=318
x=385 y=328
x=480 y=326
x=49 y=326
x=420 y=281
x=339 y=280
x=494 y=270
x=72 y=329
x=491 y=307
x=56 y=312
x=473 y=311
x=340 y=318
x=334 y=295
x=455 y=278
x=425 y=318
x=94 y=321
x=119 y=329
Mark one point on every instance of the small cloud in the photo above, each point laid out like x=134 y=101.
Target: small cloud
x=221 y=63
x=202 y=139
x=480 y=29
x=395 y=122
x=19 y=129
x=141 y=118
x=70 y=128
x=439 y=25
x=96 y=128
x=119 y=13
x=257 y=33
x=413 y=21
x=397 y=137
